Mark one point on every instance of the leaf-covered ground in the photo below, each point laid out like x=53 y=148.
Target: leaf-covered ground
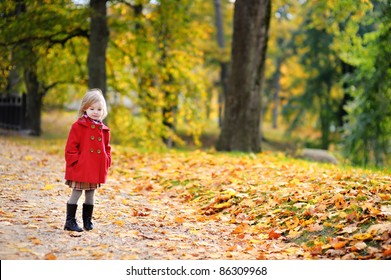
x=194 y=205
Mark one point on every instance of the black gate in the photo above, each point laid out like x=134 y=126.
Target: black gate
x=12 y=112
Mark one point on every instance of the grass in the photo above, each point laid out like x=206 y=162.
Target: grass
x=309 y=237
x=56 y=125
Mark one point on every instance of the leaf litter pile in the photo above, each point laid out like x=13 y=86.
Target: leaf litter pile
x=194 y=205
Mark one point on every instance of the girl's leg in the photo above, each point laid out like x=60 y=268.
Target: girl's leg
x=70 y=223
x=89 y=197
x=88 y=207
x=74 y=196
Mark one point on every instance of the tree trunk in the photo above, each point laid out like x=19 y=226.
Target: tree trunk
x=276 y=95
x=34 y=101
x=242 y=117
x=326 y=115
x=341 y=114
x=223 y=65
x=13 y=81
x=98 y=44
x=35 y=91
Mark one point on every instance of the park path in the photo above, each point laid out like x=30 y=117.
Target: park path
x=129 y=223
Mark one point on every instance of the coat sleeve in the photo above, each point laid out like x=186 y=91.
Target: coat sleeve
x=72 y=153
x=108 y=147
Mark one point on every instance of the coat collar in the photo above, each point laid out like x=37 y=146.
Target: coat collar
x=86 y=122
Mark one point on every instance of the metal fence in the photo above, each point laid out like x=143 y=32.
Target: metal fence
x=12 y=112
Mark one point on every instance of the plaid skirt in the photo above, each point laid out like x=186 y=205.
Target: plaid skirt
x=82 y=186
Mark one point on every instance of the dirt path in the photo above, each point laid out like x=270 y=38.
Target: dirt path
x=129 y=224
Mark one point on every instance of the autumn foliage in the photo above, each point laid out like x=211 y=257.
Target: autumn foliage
x=195 y=205
x=321 y=211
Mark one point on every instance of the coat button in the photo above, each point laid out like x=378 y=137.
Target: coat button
x=91 y=150
x=98 y=151
x=99 y=139
x=92 y=137
x=100 y=127
x=93 y=126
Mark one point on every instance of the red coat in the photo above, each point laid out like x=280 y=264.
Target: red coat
x=88 y=152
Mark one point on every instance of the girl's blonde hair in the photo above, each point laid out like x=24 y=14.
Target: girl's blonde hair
x=92 y=96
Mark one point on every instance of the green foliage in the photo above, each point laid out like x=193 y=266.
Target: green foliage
x=135 y=131
x=51 y=31
x=322 y=67
x=368 y=128
x=355 y=33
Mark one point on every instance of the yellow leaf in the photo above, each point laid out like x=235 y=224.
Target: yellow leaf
x=28 y=158
x=222 y=205
x=200 y=218
x=129 y=257
x=179 y=220
x=263 y=236
x=362 y=236
x=256 y=241
x=119 y=223
x=342 y=215
x=230 y=192
x=48 y=187
x=292 y=223
x=293 y=234
x=23 y=249
x=384 y=196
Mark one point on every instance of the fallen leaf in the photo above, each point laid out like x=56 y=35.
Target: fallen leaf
x=50 y=256
x=315 y=227
x=119 y=223
x=292 y=223
x=261 y=256
x=179 y=220
x=316 y=250
x=232 y=248
x=379 y=228
x=35 y=240
x=349 y=229
x=239 y=229
x=387 y=252
x=274 y=235
x=339 y=245
x=28 y=158
x=340 y=202
x=362 y=236
x=48 y=187
x=358 y=246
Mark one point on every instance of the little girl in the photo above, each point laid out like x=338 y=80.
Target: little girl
x=87 y=156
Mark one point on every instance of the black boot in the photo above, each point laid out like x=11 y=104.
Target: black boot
x=71 y=223
x=87 y=216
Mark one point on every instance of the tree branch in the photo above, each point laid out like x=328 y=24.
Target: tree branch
x=50 y=39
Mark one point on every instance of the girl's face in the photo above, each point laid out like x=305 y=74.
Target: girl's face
x=95 y=111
